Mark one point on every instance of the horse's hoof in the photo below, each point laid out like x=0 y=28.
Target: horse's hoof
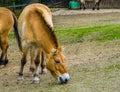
x=3 y=62
x=98 y=8
x=93 y=8
x=44 y=71
x=36 y=80
x=6 y=61
x=20 y=78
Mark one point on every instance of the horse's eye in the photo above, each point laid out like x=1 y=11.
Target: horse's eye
x=57 y=61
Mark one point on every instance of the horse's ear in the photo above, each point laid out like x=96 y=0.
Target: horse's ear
x=56 y=51
x=53 y=52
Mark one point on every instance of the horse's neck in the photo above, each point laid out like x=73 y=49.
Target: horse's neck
x=50 y=40
x=43 y=32
x=48 y=46
x=46 y=40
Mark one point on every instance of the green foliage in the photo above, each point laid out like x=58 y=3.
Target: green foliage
x=17 y=1
x=11 y=2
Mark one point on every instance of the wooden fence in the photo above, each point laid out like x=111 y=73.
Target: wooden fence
x=89 y=3
x=105 y=4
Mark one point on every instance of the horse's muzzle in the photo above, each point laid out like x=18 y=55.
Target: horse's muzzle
x=63 y=79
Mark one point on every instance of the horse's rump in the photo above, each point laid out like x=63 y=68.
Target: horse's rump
x=7 y=21
x=96 y=4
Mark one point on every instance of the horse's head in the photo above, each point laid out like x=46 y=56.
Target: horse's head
x=56 y=65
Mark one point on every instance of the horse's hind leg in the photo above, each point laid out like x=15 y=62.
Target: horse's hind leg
x=84 y=6
x=81 y=4
x=23 y=62
x=98 y=5
x=43 y=63
x=94 y=6
x=4 y=47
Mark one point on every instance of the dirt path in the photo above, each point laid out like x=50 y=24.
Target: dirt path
x=88 y=11
x=76 y=18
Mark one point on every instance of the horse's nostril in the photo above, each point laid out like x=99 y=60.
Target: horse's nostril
x=61 y=79
x=66 y=80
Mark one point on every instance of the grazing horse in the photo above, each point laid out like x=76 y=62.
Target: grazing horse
x=37 y=35
x=97 y=4
x=7 y=22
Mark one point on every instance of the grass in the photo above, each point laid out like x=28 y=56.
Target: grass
x=83 y=79
x=96 y=33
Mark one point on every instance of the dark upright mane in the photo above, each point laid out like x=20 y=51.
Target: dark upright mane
x=50 y=30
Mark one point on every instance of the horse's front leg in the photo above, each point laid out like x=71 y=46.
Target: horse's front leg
x=4 y=47
x=32 y=55
x=43 y=63
x=36 y=73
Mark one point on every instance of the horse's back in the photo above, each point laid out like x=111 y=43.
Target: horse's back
x=90 y=0
x=97 y=1
x=31 y=10
x=6 y=19
x=32 y=21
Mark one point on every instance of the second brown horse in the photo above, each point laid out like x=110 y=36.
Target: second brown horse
x=37 y=34
x=7 y=22
x=96 y=4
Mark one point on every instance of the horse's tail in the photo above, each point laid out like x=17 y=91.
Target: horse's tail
x=16 y=32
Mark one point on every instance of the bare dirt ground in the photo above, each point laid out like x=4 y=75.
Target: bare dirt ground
x=94 y=54
x=64 y=18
